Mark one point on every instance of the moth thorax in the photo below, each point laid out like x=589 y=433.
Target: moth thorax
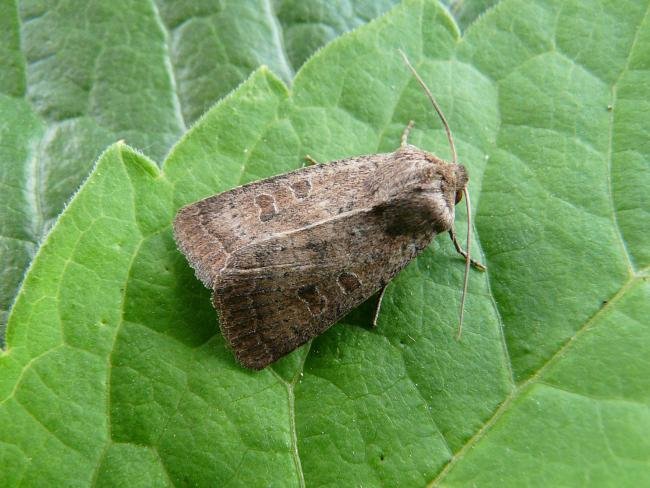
x=419 y=210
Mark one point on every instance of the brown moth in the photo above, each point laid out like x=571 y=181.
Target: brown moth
x=288 y=256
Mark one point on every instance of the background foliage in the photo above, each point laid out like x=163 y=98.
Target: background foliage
x=115 y=371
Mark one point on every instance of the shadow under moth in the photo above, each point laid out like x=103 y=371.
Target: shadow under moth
x=288 y=256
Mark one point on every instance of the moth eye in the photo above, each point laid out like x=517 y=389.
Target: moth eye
x=459 y=197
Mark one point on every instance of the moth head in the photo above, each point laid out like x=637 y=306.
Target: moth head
x=459 y=184
x=450 y=180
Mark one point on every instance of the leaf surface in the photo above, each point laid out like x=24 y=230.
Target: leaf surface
x=116 y=373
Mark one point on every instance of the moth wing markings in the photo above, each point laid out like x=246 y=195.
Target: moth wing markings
x=276 y=294
x=208 y=231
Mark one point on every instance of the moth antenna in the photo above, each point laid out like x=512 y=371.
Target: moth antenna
x=468 y=261
x=450 y=138
x=435 y=106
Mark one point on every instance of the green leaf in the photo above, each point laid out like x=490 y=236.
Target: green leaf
x=12 y=62
x=465 y=12
x=79 y=86
x=215 y=46
x=115 y=372
x=307 y=26
x=129 y=70
x=20 y=126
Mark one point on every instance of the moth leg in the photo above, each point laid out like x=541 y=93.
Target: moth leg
x=405 y=134
x=375 y=316
x=310 y=161
x=459 y=250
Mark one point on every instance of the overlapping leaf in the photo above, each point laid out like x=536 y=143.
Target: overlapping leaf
x=78 y=79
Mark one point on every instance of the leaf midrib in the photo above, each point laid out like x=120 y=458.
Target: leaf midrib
x=524 y=387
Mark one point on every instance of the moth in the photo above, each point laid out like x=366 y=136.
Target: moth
x=288 y=256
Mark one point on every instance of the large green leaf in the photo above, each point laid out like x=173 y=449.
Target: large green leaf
x=214 y=46
x=115 y=373
x=83 y=78
x=71 y=101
